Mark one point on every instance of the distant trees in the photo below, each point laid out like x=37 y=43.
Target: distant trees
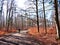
x=9 y=14
x=33 y=10
x=36 y=14
x=40 y=11
x=1 y=13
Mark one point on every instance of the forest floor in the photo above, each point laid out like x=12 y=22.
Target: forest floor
x=18 y=39
x=33 y=37
x=48 y=39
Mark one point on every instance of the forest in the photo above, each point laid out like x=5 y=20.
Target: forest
x=37 y=22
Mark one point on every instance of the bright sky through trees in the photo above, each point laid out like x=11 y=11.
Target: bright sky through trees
x=20 y=3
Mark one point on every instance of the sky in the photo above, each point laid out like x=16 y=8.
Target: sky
x=20 y=3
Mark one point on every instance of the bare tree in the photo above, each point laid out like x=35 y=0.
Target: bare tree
x=2 y=13
x=57 y=19
x=10 y=15
x=44 y=17
x=37 y=15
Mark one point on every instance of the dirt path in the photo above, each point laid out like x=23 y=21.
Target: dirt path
x=18 y=39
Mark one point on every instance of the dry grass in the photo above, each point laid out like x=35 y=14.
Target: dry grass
x=3 y=31
x=50 y=30
x=48 y=39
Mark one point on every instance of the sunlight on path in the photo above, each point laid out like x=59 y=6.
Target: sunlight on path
x=18 y=34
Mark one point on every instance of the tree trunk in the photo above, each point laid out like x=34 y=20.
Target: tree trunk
x=44 y=18
x=22 y=21
x=37 y=15
x=57 y=19
x=9 y=18
x=2 y=14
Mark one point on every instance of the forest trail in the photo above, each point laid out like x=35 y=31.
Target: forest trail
x=18 y=39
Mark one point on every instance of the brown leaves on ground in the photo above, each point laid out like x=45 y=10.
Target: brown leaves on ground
x=47 y=39
x=34 y=31
x=4 y=31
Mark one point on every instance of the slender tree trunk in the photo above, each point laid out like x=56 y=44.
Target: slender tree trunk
x=22 y=21
x=37 y=15
x=26 y=19
x=57 y=18
x=44 y=18
x=2 y=13
x=11 y=20
x=15 y=23
x=7 y=17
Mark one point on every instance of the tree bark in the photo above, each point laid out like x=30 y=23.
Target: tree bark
x=57 y=18
x=37 y=15
x=44 y=18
